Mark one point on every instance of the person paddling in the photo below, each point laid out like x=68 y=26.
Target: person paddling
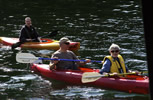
x=28 y=34
x=64 y=53
x=114 y=63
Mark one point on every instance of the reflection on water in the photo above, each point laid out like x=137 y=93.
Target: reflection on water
x=96 y=24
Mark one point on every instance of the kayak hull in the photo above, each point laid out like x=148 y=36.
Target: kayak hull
x=130 y=84
x=45 y=44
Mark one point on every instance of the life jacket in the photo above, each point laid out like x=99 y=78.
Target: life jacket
x=115 y=65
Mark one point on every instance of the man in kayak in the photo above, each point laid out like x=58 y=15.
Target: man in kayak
x=28 y=34
x=64 y=53
x=115 y=62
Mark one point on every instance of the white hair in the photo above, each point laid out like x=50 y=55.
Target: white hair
x=114 y=46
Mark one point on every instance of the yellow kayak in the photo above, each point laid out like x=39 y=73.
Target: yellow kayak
x=49 y=44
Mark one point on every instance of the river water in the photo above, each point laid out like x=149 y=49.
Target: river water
x=96 y=24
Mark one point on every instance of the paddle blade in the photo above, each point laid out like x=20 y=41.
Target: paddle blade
x=90 y=77
x=54 y=33
x=25 y=58
x=93 y=76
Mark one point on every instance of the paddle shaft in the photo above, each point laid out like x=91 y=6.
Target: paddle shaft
x=45 y=35
x=51 y=34
x=67 y=60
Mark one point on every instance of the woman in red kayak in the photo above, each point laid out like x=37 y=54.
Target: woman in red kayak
x=64 y=53
x=115 y=62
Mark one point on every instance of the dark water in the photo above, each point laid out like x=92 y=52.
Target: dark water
x=96 y=24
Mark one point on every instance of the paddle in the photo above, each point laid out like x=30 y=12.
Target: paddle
x=30 y=58
x=54 y=33
x=93 y=76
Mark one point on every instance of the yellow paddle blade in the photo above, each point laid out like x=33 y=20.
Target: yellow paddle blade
x=90 y=77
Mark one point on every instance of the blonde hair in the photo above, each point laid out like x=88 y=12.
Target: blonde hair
x=114 y=46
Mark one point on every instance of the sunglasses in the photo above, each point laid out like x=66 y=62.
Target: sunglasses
x=67 y=43
x=115 y=51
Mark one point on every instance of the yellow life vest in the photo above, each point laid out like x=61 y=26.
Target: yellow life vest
x=115 y=66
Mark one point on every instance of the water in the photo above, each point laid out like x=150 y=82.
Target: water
x=96 y=24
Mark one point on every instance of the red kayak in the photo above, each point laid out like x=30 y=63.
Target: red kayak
x=129 y=83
